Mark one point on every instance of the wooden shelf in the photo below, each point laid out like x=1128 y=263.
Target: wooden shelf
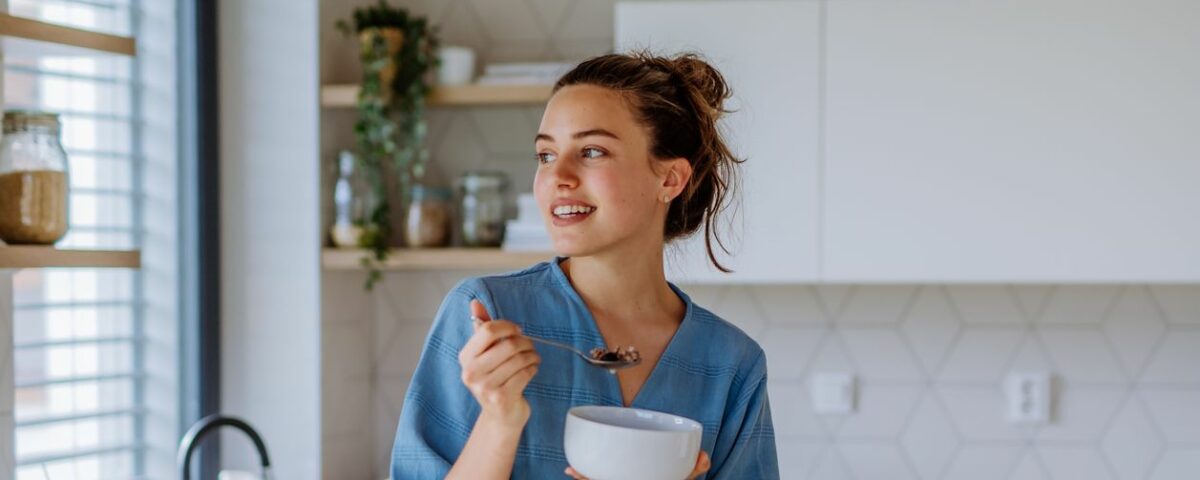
x=336 y=96
x=346 y=96
x=27 y=256
x=50 y=38
x=436 y=259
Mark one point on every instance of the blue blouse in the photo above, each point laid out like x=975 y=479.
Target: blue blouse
x=711 y=372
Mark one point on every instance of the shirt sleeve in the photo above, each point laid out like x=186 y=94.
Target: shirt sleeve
x=745 y=446
x=438 y=409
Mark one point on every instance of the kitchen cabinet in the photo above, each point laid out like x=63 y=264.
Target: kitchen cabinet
x=768 y=52
x=1011 y=141
x=946 y=141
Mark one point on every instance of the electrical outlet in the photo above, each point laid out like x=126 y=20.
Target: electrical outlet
x=1029 y=397
x=833 y=393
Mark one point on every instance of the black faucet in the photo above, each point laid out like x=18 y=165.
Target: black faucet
x=207 y=425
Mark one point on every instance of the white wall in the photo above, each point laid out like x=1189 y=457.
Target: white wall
x=269 y=219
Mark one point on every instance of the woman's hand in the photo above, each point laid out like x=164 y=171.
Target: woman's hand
x=702 y=465
x=497 y=363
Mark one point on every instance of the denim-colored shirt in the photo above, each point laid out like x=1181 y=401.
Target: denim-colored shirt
x=711 y=372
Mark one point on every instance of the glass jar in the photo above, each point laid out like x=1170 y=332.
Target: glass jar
x=352 y=203
x=428 y=221
x=34 y=183
x=483 y=194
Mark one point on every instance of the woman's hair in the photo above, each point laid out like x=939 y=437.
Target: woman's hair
x=679 y=100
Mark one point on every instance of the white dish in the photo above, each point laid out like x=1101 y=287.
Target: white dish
x=614 y=443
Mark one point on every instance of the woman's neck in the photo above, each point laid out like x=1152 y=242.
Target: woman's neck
x=630 y=287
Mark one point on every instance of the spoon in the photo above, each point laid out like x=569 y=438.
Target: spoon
x=611 y=365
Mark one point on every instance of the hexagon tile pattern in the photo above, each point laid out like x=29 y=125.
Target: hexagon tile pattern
x=1127 y=391
x=930 y=359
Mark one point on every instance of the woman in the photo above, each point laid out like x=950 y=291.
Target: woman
x=629 y=157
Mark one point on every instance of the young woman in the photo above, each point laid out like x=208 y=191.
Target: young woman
x=629 y=157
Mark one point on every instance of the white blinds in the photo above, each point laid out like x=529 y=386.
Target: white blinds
x=78 y=333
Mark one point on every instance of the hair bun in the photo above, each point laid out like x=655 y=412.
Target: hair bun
x=704 y=79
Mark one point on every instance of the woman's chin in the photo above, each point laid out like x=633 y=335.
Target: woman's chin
x=571 y=247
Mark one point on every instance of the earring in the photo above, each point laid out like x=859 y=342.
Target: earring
x=666 y=199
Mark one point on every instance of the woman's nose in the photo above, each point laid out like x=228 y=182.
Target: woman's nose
x=563 y=175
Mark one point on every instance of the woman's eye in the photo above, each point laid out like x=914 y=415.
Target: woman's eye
x=544 y=158
x=592 y=152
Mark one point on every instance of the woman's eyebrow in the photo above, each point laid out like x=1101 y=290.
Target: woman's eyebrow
x=586 y=133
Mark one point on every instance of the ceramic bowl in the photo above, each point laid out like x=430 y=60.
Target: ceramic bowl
x=614 y=443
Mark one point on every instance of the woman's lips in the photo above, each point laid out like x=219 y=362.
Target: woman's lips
x=566 y=214
x=565 y=221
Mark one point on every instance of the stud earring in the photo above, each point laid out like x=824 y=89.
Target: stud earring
x=666 y=199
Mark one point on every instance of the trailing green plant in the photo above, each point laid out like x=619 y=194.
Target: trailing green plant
x=390 y=130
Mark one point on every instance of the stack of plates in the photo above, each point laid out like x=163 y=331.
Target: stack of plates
x=526 y=73
x=526 y=233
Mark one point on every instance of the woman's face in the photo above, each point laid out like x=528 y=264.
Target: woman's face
x=596 y=185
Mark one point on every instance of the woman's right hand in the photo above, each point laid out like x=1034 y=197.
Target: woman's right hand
x=497 y=363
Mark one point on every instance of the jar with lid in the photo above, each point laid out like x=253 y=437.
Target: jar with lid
x=352 y=203
x=34 y=182
x=427 y=223
x=482 y=209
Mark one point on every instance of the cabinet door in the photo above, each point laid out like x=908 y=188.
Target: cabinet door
x=767 y=51
x=1012 y=140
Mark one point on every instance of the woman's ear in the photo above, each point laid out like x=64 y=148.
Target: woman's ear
x=679 y=172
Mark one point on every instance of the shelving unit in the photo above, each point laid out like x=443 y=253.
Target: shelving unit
x=51 y=38
x=435 y=259
x=345 y=96
x=25 y=256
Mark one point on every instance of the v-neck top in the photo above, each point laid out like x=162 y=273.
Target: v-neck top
x=711 y=372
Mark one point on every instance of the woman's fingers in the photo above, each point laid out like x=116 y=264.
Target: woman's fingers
x=479 y=312
x=512 y=367
x=518 y=381
x=485 y=336
x=501 y=351
x=573 y=474
x=703 y=463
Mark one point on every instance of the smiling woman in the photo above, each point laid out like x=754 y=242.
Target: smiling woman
x=661 y=114
x=629 y=158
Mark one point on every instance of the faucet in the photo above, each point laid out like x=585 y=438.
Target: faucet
x=209 y=424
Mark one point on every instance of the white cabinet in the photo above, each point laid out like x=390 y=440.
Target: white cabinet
x=768 y=51
x=1012 y=140
x=952 y=141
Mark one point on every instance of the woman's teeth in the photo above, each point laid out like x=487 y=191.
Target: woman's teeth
x=568 y=210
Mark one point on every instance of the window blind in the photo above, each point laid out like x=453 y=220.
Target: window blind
x=78 y=333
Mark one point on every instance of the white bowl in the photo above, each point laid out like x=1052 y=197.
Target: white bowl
x=614 y=443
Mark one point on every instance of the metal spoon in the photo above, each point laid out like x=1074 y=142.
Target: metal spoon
x=611 y=365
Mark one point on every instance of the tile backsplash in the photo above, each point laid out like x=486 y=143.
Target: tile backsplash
x=930 y=362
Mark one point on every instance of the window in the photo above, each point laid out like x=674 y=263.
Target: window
x=81 y=341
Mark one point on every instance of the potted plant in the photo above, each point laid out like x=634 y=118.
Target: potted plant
x=397 y=54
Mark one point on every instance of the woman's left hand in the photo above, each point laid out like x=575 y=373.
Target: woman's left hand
x=702 y=465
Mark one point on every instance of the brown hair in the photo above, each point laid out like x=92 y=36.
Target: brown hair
x=679 y=100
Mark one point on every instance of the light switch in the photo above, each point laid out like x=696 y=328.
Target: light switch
x=833 y=393
x=1029 y=397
